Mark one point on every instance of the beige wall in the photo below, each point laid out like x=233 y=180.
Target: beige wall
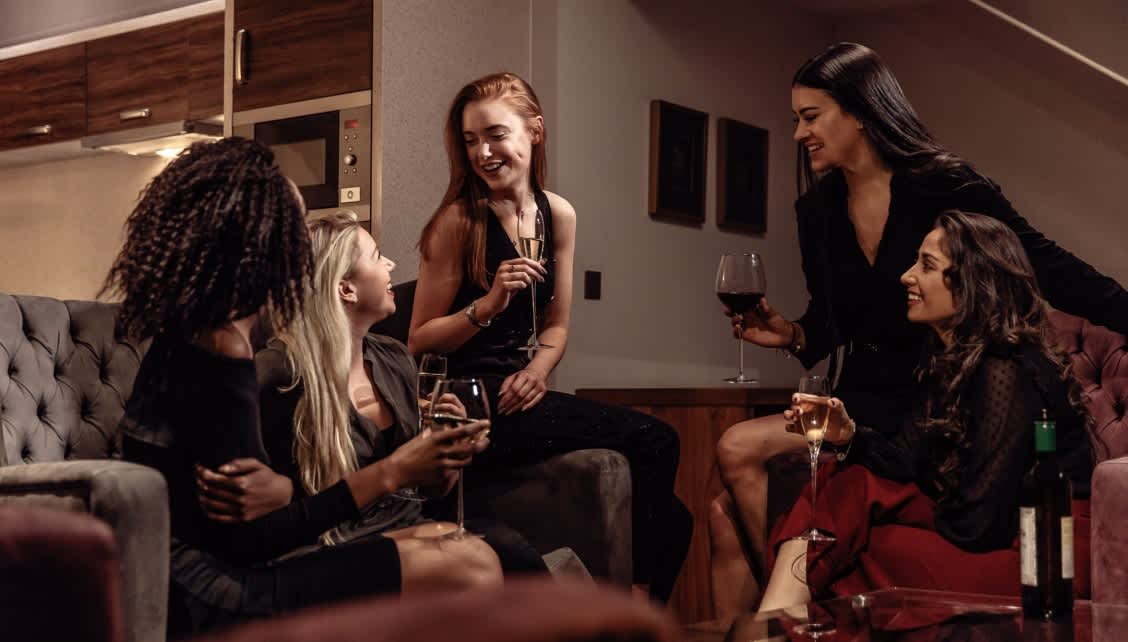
x=431 y=49
x=61 y=222
x=1049 y=130
x=659 y=321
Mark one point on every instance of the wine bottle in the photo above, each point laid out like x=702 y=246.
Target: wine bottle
x=1046 y=531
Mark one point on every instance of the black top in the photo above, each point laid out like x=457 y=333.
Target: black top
x=394 y=375
x=863 y=307
x=1003 y=398
x=190 y=405
x=495 y=350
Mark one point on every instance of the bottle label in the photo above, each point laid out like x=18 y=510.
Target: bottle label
x=1028 y=543
x=1067 y=548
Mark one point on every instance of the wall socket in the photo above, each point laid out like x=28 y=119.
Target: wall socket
x=593 y=285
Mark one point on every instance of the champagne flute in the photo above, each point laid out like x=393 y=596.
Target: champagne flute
x=740 y=286
x=531 y=246
x=814 y=411
x=457 y=402
x=432 y=368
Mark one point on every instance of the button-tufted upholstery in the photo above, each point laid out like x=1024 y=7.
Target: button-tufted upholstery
x=64 y=381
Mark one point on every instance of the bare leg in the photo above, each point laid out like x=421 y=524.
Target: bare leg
x=742 y=452
x=429 y=564
x=735 y=590
x=788 y=585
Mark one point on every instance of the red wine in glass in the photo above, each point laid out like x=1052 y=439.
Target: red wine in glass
x=740 y=286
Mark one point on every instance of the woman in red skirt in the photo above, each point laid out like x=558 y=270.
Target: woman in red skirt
x=937 y=505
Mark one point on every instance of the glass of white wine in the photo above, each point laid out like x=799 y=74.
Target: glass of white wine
x=530 y=245
x=432 y=369
x=814 y=411
x=456 y=402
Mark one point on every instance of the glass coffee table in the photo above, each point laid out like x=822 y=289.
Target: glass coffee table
x=905 y=615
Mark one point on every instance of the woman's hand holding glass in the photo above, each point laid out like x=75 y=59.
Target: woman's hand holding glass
x=839 y=426
x=763 y=326
x=512 y=276
x=433 y=458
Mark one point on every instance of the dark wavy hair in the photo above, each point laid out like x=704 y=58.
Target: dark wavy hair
x=864 y=87
x=467 y=187
x=216 y=236
x=997 y=303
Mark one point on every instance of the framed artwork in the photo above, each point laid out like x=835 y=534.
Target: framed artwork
x=677 y=163
x=742 y=177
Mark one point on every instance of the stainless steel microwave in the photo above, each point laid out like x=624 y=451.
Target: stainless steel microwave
x=323 y=145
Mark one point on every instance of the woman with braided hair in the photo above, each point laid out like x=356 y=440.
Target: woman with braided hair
x=217 y=239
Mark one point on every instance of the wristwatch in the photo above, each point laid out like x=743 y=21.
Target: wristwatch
x=473 y=317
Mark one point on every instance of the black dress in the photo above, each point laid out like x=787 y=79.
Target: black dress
x=563 y=423
x=190 y=405
x=862 y=307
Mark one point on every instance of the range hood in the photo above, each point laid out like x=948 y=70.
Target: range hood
x=156 y=140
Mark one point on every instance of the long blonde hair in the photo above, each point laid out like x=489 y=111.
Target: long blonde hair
x=318 y=349
x=468 y=187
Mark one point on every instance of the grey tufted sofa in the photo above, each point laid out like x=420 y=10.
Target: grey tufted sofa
x=63 y=386
x=64 y=381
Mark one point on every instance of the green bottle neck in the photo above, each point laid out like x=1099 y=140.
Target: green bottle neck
x=1045 y=436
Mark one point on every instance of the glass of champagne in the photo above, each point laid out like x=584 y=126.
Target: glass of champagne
x=432 y=368
x=814 y=411
x=530 y=245
x=740 y=286
x=457 y=402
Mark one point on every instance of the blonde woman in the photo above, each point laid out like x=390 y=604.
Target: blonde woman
x=338 y=404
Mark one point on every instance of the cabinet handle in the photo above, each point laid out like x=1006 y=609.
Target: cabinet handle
x=134 y=114
x=241 y=57
x=38 y=130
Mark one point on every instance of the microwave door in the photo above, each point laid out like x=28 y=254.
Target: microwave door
x=307 y=151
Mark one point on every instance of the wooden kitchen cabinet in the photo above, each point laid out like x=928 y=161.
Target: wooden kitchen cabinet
x=155 y=75
x=44 y=97
x=295 y=50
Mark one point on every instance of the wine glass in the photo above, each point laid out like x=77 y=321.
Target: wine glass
x=456 y=402
x=814 y=411
x=530 y=245
x=432 y=368
x=740 y=286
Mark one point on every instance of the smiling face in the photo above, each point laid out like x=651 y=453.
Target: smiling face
x=930 y=298
x=832 y=137
x=367 y=288
x=499 y=143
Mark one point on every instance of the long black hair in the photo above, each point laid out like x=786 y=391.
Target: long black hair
x=864 y=87
x=997 y=303
x=216 y=236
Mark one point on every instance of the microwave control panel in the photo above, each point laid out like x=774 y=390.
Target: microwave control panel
x=355 y=164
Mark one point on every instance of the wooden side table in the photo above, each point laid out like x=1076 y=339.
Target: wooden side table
x=699 y=415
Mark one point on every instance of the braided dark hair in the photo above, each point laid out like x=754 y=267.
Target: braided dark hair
x=216 y=236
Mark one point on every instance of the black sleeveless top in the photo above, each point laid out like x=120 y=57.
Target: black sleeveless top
x=494 y=350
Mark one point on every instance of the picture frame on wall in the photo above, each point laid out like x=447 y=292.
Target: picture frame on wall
x=742 y=177
x=678 y=144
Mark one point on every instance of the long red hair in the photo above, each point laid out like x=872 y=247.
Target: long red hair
x=468 y=187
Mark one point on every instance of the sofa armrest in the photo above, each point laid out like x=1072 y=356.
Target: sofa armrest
x=61 y=576
x=1110 y=531
x=133 y=500
x=524 y=610
x=580 y=499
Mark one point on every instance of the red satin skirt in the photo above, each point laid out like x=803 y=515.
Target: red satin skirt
x=886 y=536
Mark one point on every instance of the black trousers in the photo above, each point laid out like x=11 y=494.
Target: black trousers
x=562 y=423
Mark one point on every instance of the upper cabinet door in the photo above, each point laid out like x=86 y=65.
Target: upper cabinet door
x=138 y=78
x=292 y=50
x=205 y=66
x=43 y=97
